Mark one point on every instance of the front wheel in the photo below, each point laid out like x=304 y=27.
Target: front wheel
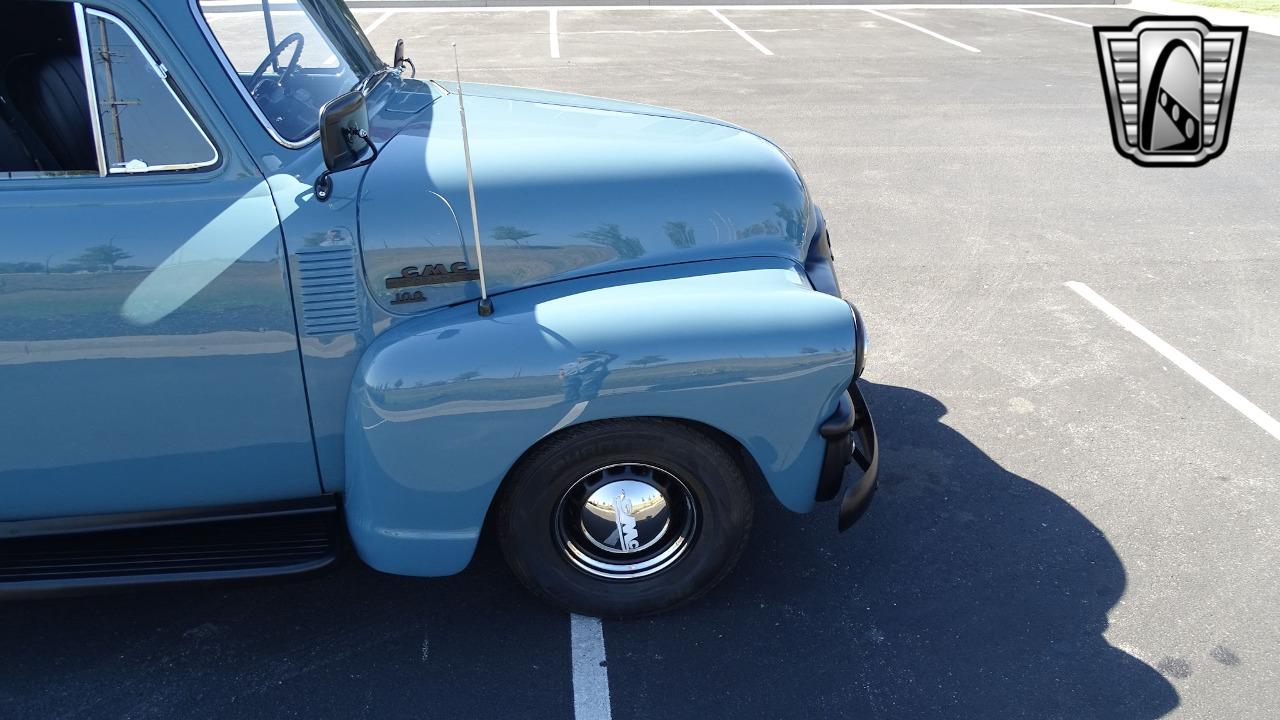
x=622 y=518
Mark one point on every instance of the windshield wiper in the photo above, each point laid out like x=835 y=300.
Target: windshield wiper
x=372 y=78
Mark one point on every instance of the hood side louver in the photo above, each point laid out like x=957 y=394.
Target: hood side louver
x=327 y=286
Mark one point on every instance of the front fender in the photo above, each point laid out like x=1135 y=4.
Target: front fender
x=442 y=406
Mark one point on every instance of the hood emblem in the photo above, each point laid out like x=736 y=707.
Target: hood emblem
x=437 y=274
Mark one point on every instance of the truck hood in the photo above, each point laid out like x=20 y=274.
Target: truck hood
x=566 y=185
x=551 y=97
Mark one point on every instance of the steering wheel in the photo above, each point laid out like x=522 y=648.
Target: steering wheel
x=257 y=78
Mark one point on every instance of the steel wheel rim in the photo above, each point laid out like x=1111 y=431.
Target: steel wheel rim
x=625 y=521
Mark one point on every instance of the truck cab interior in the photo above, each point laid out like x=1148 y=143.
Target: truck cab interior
x=286 y=61
x=45 y=123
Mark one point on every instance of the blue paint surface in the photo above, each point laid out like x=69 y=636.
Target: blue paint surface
x=442 y=407
x=219 y=336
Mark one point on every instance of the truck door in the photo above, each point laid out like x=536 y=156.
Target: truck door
x=148 y=354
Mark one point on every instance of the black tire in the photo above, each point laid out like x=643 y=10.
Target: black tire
x=530 y=513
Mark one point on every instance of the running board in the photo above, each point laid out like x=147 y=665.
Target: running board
x=88 y=554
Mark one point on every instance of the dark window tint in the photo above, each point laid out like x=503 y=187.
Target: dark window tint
x=45 y=122
x=144 y=125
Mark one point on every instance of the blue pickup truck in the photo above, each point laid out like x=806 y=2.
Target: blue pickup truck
x=264 y=296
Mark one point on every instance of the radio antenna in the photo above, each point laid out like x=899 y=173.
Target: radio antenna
x=486 y=305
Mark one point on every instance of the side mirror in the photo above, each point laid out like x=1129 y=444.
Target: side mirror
x=344 y=138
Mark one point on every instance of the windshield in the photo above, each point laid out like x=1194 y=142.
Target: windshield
x=289 y=66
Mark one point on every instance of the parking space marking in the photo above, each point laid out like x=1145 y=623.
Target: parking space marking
x=1173 y=355
x=740 y=31
x=415 y=6
x=693 y=31
x=555 y=34
x=423 y=6
x=378 y=23
x=926 y=31
x=1051 y=17
x=372 y=26
x=590 y=675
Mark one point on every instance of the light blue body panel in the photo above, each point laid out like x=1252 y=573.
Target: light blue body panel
x=570 y=100
x=148 y=356
x=583 y=191
x=243 y=344
x=444 y=406
x=566 y=191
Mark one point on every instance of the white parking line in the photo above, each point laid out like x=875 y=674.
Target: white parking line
x=555 y=35
x=400 y=6
x=926 y=31
x=668 y=31
x=372 y=26
x=377 y=23
x=590 y=676
x=1189 y=366
x=740 y=31
x=1051 y=17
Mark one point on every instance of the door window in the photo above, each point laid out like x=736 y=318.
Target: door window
x=80 y=94
x=144 y=125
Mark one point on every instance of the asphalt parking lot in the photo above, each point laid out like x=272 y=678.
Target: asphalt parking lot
x=1069 y=524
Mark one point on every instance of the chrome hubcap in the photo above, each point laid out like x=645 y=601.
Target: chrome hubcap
x=625 y=521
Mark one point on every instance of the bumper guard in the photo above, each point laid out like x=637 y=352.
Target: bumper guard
x=851 y=421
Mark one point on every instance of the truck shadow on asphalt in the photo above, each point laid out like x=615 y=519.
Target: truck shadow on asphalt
x=964 y=592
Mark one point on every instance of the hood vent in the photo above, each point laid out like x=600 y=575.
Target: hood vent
x=327 y=285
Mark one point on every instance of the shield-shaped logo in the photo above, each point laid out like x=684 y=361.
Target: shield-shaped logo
x=1170 y=84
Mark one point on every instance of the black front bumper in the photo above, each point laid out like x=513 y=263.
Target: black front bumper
x=850 y=435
